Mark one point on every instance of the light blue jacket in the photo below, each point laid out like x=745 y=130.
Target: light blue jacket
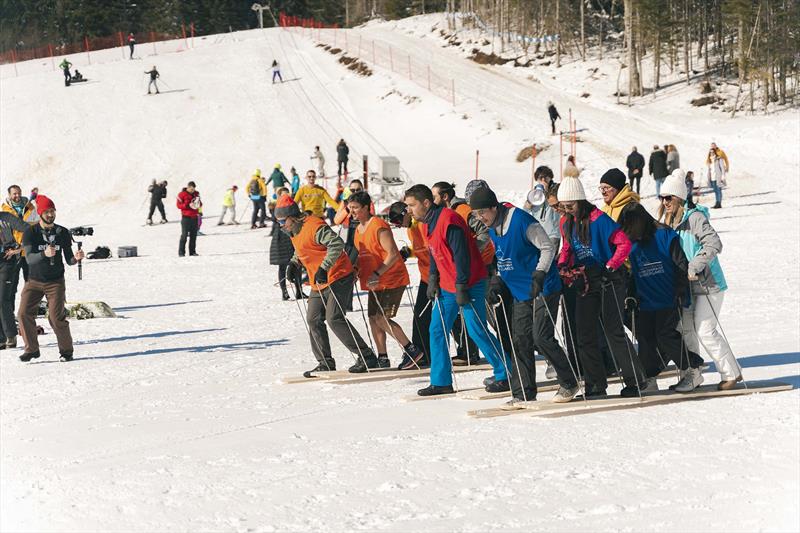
x=702 y=245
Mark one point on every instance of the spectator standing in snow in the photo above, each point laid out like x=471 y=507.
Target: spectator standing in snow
x=229 y=204
x=673 y=158
x=635 y=164
x=313 y=197
x=154 y=75
x=553 y=113
x=47 y=247
x=65 y=66
x=689 y=180
x=189 y=204
x=657 y=166
x=257 y=191
x=13 y=226
x=131 y=43
x=320 y=161
x=281 y=252
x=342 y=155
x=158 y=191
x=717 y=169
x=278 y=179
x=702 y=245
x=295 y=181
x=276 y=71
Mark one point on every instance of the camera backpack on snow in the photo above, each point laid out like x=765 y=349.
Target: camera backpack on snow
x=101 y=252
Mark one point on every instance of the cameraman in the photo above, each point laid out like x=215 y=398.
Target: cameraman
x=10 y=259
x=47 y=246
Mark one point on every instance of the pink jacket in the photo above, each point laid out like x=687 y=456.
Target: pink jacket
x=618 y=241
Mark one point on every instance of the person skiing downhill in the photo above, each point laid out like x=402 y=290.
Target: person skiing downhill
x=154 y=75
x=276 y=71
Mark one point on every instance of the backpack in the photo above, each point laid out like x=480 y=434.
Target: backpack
x=101 y=252
x=254 y=190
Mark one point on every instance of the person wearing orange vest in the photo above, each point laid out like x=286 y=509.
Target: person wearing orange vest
x=383 y=273
x=400 y=217
x=457 y=282
x=330 y=274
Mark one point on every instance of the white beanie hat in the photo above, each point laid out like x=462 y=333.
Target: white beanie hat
x=571 y=190
x=675 y=184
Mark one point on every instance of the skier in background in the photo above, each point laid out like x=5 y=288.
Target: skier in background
x=553 y=112
x=276 y=71
x=158 y=191
x=278 y=179
x=295 y=181
x=131 y=43
x=229 y=204
x=342 y=155
x=154 y=75
x=257 y=190
x=65 y=66
x=320 y=161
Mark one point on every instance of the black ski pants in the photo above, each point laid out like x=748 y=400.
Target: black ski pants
x=259 y=211
x=157 y=204
x=9 y=280
x=533 y=327
x=636 y=179
x=420 y=335
x=188 y=230
x=342 y=167
x=604 y=300
x=657 y=333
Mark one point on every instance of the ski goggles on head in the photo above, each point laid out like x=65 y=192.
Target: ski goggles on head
x=281 y=222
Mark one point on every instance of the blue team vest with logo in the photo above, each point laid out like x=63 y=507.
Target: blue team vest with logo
x=654 y=271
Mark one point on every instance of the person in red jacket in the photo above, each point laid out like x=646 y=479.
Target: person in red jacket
x=189 y=203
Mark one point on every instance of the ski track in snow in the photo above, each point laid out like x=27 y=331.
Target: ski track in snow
x=173 y=417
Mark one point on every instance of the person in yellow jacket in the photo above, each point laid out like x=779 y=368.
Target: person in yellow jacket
x=229 y=204
x=617 y=194
x=12 y=260
x=257 y=191
x=313 y=197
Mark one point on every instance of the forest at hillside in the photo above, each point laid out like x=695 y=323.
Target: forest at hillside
x=754 y=43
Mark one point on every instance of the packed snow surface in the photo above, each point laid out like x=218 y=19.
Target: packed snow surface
x=173 y=415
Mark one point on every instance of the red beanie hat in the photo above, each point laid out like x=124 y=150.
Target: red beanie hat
x=43 y=203
x=286 y=207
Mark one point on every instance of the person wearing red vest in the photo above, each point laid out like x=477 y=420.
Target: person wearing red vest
x=330 y=274
x=383 y=273
x=457 y=281
x=400 y=217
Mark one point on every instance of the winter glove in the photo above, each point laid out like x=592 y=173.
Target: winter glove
x=293 y=272
x=321 y=277
x=538 y=283
x=405 y=252
x=462 y=295
x=433 y=287
x=494 y=290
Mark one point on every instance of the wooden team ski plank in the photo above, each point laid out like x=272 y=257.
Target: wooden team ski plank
x=703 y=392
x=613 y=403
x=401 y=374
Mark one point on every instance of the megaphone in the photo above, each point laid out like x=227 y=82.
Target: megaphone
x=537 y=195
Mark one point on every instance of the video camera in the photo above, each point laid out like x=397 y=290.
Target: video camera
x=82 y=230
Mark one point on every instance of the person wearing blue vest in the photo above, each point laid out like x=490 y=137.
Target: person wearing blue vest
x=702 y=245
x=525 y=264
x=593 y=250
x=660 y=275
x=457 y=280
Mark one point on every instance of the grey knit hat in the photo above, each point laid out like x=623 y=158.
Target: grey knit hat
x=472 y=186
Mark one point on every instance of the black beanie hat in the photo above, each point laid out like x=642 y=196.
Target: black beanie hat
x=482 y=198
x=615 y=178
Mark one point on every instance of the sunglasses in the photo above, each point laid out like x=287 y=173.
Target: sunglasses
x=355 y=190
x=665 y=198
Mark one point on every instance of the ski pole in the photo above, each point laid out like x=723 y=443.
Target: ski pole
x=563 y=340
x=80 y=263
x=514 y=348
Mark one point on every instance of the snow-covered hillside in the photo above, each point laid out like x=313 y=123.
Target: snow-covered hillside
x=173 y=417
